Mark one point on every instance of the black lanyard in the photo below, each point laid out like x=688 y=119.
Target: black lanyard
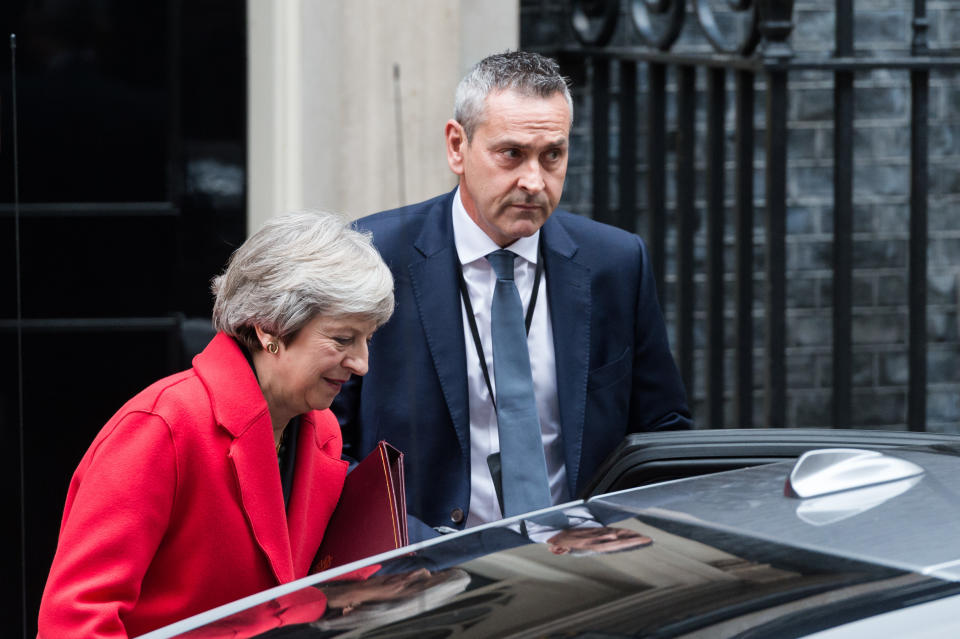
x=473 y=320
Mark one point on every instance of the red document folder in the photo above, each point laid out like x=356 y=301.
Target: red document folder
x=371 y=516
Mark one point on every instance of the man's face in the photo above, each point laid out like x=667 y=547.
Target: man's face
x=512 y=169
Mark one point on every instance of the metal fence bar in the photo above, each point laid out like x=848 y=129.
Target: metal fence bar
x=743 y=390
x=686 y=218
x=601 y=139
x=627 y=216
x=947 y=60
x=657 y=171
x=776 y=208
x=843 y=97
x=917 y=393
x=919 y=131
x=716 y=126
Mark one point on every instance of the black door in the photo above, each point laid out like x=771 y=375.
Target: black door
x=131 y=177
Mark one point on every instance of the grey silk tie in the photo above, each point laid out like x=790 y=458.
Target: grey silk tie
x=524 y=469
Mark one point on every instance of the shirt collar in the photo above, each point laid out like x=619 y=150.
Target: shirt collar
x=472 y=243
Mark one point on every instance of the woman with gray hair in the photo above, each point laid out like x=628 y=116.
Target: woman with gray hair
x=218 y=482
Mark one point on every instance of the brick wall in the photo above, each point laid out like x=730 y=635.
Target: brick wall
x=881 y=217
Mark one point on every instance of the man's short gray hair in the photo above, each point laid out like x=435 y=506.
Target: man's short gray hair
x=297 y=266
x=529 y=74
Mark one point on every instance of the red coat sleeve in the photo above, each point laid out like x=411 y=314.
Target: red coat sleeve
x=117 y=511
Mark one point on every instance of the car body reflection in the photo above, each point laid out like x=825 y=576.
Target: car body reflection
x=721 y=555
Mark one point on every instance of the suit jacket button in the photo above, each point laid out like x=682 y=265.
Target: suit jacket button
x=456 y=515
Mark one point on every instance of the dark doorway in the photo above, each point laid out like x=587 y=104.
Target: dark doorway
x=131 y=126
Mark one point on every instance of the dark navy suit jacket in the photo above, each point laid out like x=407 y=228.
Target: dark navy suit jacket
x=615 y=373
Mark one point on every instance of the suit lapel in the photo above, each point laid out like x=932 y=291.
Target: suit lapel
x=433 y=276
x=254 y=461
x=568 y=289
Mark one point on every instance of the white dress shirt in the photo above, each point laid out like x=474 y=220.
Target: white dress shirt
x=472 y=247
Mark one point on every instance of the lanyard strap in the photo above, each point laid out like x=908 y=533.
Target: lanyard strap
x=465 y=295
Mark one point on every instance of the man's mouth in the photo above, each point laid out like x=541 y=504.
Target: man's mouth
x=524 y=206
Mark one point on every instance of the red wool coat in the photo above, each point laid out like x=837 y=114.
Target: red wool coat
x=177 y=505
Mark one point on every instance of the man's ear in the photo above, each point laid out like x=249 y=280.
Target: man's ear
x=456 y=142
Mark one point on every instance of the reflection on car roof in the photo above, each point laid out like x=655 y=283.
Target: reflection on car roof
x=722 y=554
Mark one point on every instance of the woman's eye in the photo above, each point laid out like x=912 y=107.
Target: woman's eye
x=343 y=341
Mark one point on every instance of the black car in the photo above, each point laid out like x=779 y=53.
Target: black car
x=759 y=533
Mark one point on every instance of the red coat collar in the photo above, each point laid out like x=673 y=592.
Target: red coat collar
x=235 y=395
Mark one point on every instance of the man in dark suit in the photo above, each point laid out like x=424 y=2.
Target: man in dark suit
x=596 y=351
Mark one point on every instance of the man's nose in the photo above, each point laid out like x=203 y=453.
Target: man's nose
x=531 y=178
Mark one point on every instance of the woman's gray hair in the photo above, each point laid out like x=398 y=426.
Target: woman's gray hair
x=529 y=74
x=297 y=266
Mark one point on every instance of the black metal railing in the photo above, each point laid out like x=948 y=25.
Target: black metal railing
x=751 y=48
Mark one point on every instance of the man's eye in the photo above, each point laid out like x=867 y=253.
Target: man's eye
x=512 y=154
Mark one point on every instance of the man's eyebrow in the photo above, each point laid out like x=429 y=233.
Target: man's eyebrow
x=515 y=144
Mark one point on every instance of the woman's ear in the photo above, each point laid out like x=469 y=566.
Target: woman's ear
x=267 y=341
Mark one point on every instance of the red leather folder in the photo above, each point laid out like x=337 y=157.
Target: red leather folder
x=371 y=516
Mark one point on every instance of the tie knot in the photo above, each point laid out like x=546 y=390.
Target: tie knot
x=502 y=263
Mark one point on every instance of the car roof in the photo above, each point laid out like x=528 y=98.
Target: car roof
x=901 y=524
x=730 y=553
